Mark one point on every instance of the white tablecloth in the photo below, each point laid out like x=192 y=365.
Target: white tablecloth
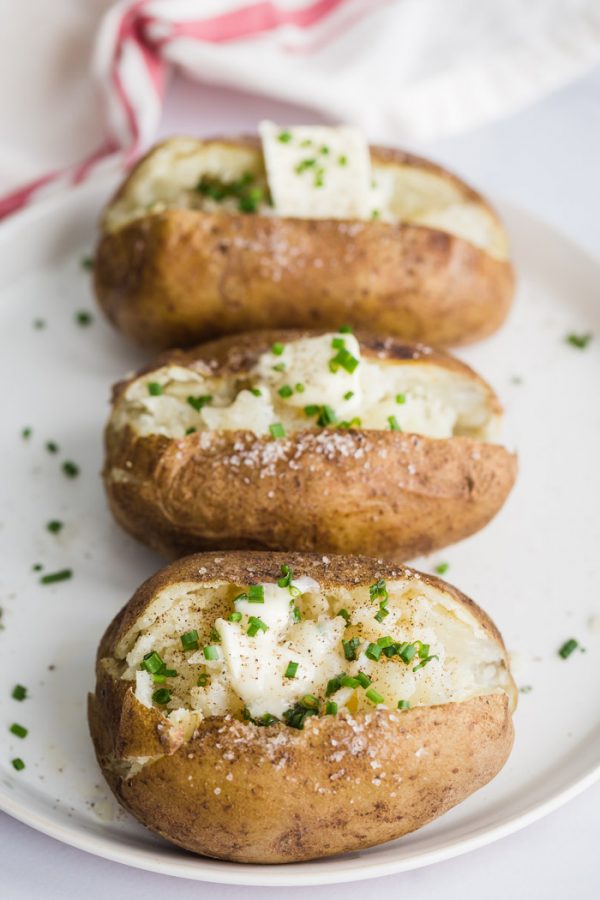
x=546 y=159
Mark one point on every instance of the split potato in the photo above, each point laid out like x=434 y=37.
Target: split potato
x=295 y=441
x=272 y=708
x=194 y=246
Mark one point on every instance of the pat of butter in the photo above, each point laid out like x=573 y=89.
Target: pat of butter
x=317 y=172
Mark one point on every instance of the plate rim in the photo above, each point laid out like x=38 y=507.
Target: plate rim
x=66 y=202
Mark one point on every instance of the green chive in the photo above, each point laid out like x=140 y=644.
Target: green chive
x=277 y=348
x=161 y=696
x=342 y=160
x=406 y=652
x=299 y=388
x=54 y=526
x=70 y=469
x=568 y=647
x=277 y=430
x=384 y=642
x=400 y=398
x=280 y=367
x=309 y=701
x=579 y=340
x=203 y=680
x=198 y=402
x=424 y=662
x=348 y=395
x=325 y=150
x=235 y=617
x=18 y=730
x=292 y=668
x=155 y=389
x=378 y=590
x=159 y=679
x=374 y=696
x=256 y=392
x=256 y=593
x=152 y=663
x=403 y=704
x=393 y=423
x=345 y=329
x=374 y=651
x=285 y=391
x=338 y=343
x=350 y=648
x=211 y=652
x=383 y=611
x=296 y=615
x=189 y=640
x=375 y=214
x=52 y=447
x=37 y=567
x=286 y=577
x=305 y=164
x=442 y=568
x=344 y=359
x=53 y=577
x=327 y=416
x=83 y=318
x=284 y=137
x=311 y=410
x=169 y=673
x=26 y=433
x=255 y=625
x=86 y=262
x=39 y=324
x=19 y=692
x=215 y=636
x=331 y=708
x=344 y=614
x=364 y=679
x=349 y=681
x=190 y=430
x=18 y=764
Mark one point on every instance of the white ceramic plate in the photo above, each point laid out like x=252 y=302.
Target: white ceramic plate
x=536 y=568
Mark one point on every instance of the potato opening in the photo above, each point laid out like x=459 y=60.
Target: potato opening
x=316 y=382
x=288 y=650
x=229 y=177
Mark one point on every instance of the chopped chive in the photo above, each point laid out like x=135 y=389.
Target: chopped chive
x=37 y=567
x=286 y=577
x=375 y=214
x=198 y=402
x=83 y=318
x=363 y=679
x=309 y=701
x=241 y=598
x=153 y=663
x=18 y=730
x=255 y=625
x=169 y=673
x=374 y=652
x=424 y=662
x=378 y=590
x=203 y=680
x=299 y=388
x=280 y=367
x=311 y=410
x=284 y=137
x=256 y=593
x=70 y=469
x=349 y=681
x=579 y=340
x=400 y=398
x=348 y=395
x=422 y=649
x=26 y=433
x=342 y=160
x=18 y=764
x=327 y=416
x=277 y=430
x=344 y=359
x=52 y=447
x=442 y=568
x=338 y=343
x=305 y=164
x=19 y=692
x=256 y=392
x=292 y=668
x=403 y=704
x=161 y=696
x=39 y=324
x=235 y=617
x=384 y=642
x=325 y=150
x=296 y=615
x=159 y=679
x=333 y=685
x=155 y=389
x=54 y=526
x=344 y=614
x=383 y=611
x=277 y=348
x=86 y=262
x=331 y=708
x=215 y=636
x=406 y=652
x=189 y=640
x=211 y=652
x=53 y=577
x=345 y=329
x=393 y=423
x=350 y=648
x=374 y=696
x=285 y=391
x=567 y=648
x=190 y=430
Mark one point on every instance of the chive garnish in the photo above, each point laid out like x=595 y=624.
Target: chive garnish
x=378 y=590
x=277 y=430
x=190 y=430
x=277 y=348
x=348 y=395
x=53 y=577
x=52 y=447
x=203 y=680
x=256 y=593
x=286 y=577
x=18 y=730
x=285 y=391
x=342 y=160
x=374 y=696
x=292 y=668
x=344 y=359
x=338 y=343
x=344 y=614
x=284 y=137
x=86 y=262
x=424 y=662
x=296 y=615
x=198 y=402
x=235 y=617
x=19 y=692
x=152 y=662
x=256 y=392
x=54 y=526
x=567 y=648
x=70 y=469
x=327 y=416
x=400 y=398
x=26 y=433
x=299 y=388
x=280 y=367
x=311 y=410
x=393 y=423
x=18 y=764
x=374 y=652
x=579 y=340
x=255 y=624
x=83 y=318
x=403 y=704
x=189 y=640
x=211 y=652
x=363 y=679
x=442 y=568
x=331 y=708
x=161 y=696
x=350 y=648
x=155 y=389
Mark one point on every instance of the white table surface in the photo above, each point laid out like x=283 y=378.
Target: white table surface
x=546 y=158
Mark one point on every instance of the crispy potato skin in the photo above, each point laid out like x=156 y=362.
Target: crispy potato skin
x=182 y=276
x=374 y=492
x=276 y=795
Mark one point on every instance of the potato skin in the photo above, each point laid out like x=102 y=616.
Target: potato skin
x=374 y=492
x=276 y=795
x=182 y=276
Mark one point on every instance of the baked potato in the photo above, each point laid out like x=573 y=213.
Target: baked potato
x=294 y=441
x=194 y=246
x=271 y=708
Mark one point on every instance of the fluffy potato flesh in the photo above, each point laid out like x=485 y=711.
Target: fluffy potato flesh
x=230 y=176
x=357 y=709
x=312 y=382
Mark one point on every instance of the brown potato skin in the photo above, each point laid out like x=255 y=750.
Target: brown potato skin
x=182 y=276
x=373 y=492
x=239 y=792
